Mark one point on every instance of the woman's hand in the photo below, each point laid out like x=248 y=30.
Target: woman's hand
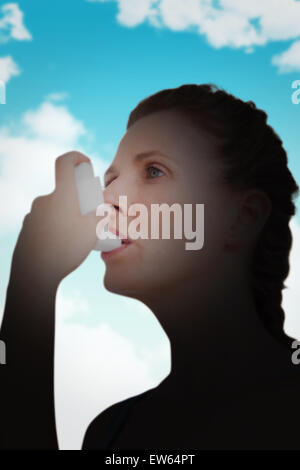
x=55 y=238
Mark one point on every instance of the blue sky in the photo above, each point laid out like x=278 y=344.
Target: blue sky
x=73 y=72
x=107 y=67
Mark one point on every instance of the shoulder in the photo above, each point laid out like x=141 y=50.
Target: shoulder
x=102 y=430
x=265 y=418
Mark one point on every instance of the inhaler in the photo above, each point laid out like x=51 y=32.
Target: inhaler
x=90 y=195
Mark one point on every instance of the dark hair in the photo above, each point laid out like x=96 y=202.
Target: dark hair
x=253 y=156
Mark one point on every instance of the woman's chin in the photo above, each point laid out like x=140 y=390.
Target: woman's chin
x=121 y=286
x=133 y=288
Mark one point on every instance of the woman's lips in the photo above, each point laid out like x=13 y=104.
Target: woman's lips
x=120 y=235
x=125 y=243
x=108 y=254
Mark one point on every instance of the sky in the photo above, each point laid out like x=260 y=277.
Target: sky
x=73 y=71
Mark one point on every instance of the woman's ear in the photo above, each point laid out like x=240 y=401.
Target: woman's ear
x=253 y=210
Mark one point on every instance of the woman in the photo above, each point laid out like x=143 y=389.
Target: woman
x=232 y=383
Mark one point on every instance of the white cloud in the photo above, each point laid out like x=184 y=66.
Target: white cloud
x=94 y=368
x=68 y=306
x=53 y=121
x=12 y=24
x=289 y=60
x=132 y=13
x=226 y=23
x=27 y=158
x=57 y=96
x=8 y=68
x=11 y=27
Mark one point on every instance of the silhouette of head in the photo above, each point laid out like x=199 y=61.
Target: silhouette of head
x=218 y=151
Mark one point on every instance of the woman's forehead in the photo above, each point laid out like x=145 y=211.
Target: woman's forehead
x=169 y=132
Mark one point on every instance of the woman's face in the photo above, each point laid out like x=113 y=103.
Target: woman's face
x=187 y=173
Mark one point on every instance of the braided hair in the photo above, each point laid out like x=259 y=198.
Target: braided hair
x=253 y=156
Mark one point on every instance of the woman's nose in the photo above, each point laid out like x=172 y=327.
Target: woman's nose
x=111 y=196
x=111 y=200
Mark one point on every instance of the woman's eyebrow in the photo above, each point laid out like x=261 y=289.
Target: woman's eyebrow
x=139 y=157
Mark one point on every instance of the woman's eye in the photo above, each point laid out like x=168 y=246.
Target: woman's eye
x=152 y=171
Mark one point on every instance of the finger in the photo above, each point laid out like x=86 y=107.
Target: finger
x=26 y=219
x=39 y=202
x=64 y=168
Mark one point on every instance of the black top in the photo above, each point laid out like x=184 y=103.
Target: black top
x=266 y=417
x=105 y=427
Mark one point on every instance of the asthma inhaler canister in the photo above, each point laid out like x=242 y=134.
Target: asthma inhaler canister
x=90 y=195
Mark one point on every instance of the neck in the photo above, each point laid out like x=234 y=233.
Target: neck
x=216 y=338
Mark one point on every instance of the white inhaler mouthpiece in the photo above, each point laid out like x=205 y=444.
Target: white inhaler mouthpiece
x=90 y=195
